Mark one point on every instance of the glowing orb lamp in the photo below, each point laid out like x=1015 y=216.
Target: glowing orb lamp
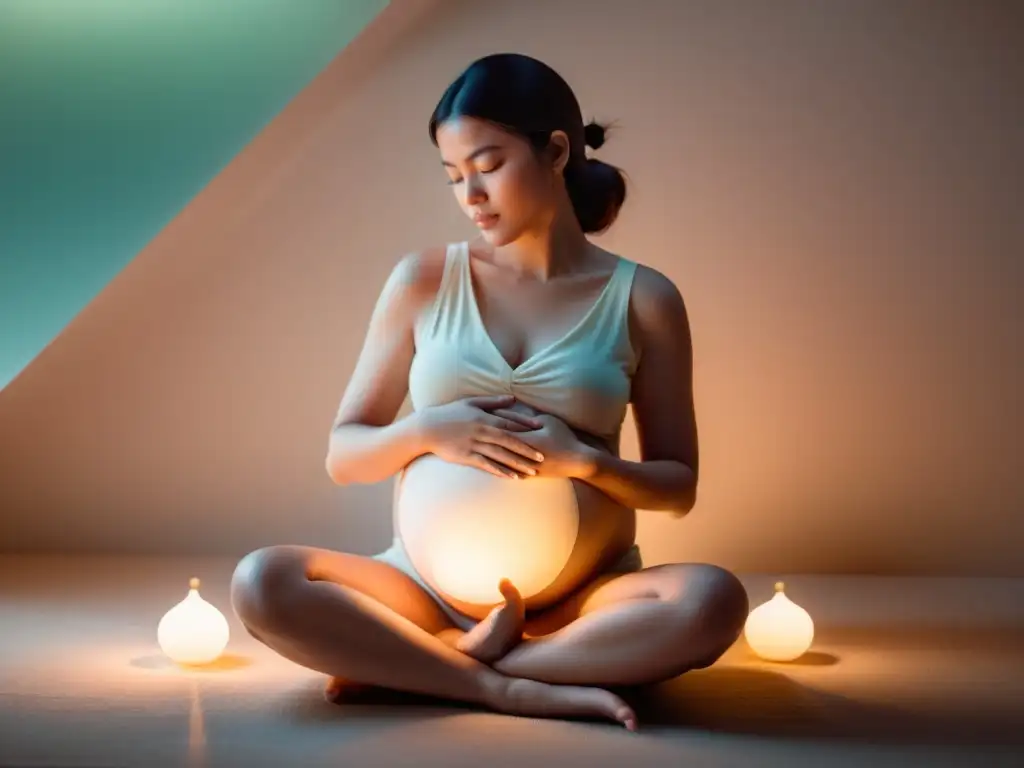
x=779 y=630
x=193 y=631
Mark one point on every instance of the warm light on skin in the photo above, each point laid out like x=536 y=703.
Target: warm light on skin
x=779 y=630
x=193 y=631
x=484 y=529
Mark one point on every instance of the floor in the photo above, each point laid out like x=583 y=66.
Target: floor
x=902 y=672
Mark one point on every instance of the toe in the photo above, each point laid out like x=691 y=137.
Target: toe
x=627 y=718
x=333 y=689
x=508 y=591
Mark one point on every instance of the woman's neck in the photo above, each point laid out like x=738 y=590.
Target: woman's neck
x=556 y=248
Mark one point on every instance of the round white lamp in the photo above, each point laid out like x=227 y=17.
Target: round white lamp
x=779 y=630
x=193 y=631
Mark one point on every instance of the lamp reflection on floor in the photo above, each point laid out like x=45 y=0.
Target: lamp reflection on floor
x=196 y=730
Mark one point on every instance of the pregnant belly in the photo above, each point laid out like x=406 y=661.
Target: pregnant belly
x=465 y=529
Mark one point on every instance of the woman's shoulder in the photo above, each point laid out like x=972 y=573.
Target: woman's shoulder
x=650 y=289
x=655 y=301
x=655 y=287
x=417 y=274
x=648 y=284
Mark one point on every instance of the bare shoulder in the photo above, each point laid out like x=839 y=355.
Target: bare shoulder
x=419 y=272
x=656 y=303
x=414 y=280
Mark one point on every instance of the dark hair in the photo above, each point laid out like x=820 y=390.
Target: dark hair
x=527 y=97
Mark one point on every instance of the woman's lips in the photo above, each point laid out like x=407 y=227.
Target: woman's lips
x=487 y=221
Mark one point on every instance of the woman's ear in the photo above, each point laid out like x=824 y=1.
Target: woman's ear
x=558 y=149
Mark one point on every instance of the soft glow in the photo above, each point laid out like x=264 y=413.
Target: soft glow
x=779 y=630
x=465 y=529
x=193 y=631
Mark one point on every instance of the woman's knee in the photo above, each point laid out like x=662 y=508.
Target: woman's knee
x=712 y=608
x=727 y=598
x=722 y=605
x=261 y=583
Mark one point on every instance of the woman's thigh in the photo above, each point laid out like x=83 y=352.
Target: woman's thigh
x=269 y=574
x=670 y=582
x=562 y=614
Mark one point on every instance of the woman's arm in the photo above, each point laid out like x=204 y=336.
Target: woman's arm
x=361 y=453
x=665 y=479
x=663 y=486
x=366 y=444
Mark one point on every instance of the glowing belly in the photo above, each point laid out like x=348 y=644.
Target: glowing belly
x=465 y=529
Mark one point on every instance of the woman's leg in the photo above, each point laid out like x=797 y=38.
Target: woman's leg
x=361 y=620
x=633 y=629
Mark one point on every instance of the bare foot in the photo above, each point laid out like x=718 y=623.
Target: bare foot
x=338 y=689
x=500 y=631
x=535 y=699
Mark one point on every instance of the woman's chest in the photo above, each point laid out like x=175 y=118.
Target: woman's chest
x=524 y=320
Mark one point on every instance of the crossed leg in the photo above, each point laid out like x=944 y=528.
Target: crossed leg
x=360 y=620
x=631 y=629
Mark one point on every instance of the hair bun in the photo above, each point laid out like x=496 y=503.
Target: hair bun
x=593 y=135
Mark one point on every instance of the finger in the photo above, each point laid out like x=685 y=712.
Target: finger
x=507 y=458
x=519 y=418
x=490 y=402
x=489 y=465
x=508 y=424
x=510 y=443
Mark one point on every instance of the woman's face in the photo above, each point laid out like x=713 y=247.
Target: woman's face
x=499 y=181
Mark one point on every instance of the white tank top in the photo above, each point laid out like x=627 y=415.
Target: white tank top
x=583 y=378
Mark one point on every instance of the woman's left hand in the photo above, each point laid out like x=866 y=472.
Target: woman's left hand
x=565 y=455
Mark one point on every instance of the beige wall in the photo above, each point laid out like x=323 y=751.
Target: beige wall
x=833 y=185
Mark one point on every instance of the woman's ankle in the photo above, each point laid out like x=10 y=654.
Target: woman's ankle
x=494 y=688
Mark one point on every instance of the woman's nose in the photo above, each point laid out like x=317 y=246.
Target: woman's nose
x=475 y=193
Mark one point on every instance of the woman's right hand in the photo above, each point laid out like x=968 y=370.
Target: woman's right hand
x=480 y=432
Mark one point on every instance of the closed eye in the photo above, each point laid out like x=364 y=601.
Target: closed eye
x=452 y=182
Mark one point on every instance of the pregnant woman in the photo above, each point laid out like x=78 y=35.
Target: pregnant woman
x=513 y=581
